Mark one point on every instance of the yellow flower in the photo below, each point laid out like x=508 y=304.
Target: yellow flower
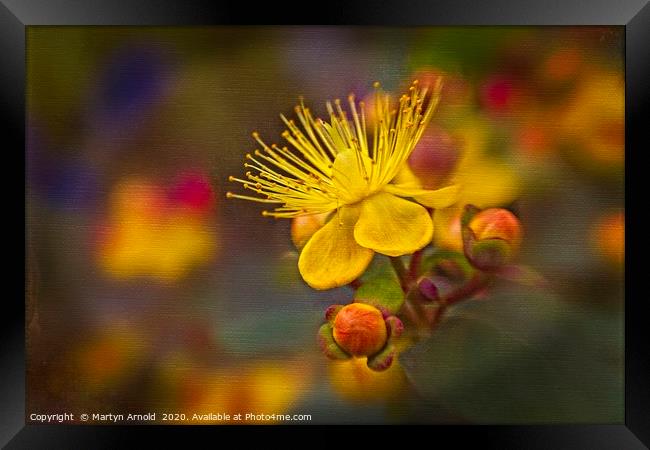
x=338 y=168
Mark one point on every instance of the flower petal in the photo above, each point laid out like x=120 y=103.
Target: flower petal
x=488 y=183
x=406 y=177
x=393 y=226
x=440 y=198
x=332 y=257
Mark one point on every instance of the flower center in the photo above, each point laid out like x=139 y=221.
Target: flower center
x=351 y=176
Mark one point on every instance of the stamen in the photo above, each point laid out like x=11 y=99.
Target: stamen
x=302 y=179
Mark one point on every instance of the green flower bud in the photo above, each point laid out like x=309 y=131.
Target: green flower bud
x=382 y=360
x=328 y=345
x=490 y=253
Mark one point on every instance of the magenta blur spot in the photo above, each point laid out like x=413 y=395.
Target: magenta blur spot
x=193 y=190
x=497 y=93
x=434 y=157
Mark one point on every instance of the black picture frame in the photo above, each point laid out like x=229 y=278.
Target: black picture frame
x=634 y=15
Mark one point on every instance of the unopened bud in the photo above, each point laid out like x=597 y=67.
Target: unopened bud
x=491 y=237
x=428 y=289
x=304 y=227
x=497 y=223
x=360 y=329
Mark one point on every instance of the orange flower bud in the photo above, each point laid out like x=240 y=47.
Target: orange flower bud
x=304 y=227
x=497 y=223
x=360 y=329
x=490 y=237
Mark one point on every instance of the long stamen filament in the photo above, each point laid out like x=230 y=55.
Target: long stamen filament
x=301 y=179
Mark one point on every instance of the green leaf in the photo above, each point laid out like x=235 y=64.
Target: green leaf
x=523 y=358
x=523 y=275
x=380 y=287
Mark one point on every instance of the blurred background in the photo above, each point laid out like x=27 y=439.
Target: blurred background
x=149 y=292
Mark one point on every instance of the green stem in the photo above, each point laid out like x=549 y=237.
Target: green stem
x=400 y=270
x=478 y=282
x=415 y=312
x=437 y=315
x=427 y=320
x=471 y=288
x=355 y=284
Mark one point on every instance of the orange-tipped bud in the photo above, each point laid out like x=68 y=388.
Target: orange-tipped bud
x=497 y=223
x=360 y=329
x=304 y=227
x=491 y=237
